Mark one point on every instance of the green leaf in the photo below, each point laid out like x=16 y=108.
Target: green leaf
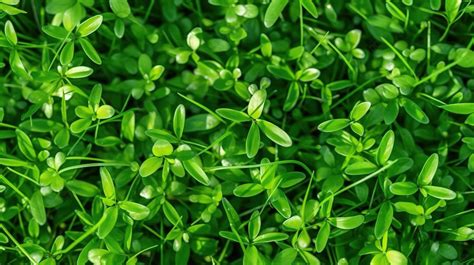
x=121 y=8
x=67 y=53
x=359 y=110
x=80 y=125
x=90 y=51
x=270 y=237
x=135 y=210
x=322 y=237
x=150 y=166
x=274 y=10
x=179 y=120
x=285 y=257
x=10 y=33
x=89 y=26
x=294 y=222
x=232 y=215
x=310 y=7
x=440 y=192
x=252 y=143
x=347 y=223
x=256 y=103
x=309 y=74
x=251 y=256
x=105 y=112
x=128 y=126
x=452 y=9
x=274 y=133
x=254 y=225
x=385 y=148
x=25 y=145
x=403 y=188
x=384 y=219
x=334 y=125
x=107 y=184
x=79 y=72
x=95 y=96
x=196 y=171
x=37 y=208
x=464 y=58
x=233 y=115
x=428 y=171
x=82 y=188
x=171 y=213
x=396 y=258
x=459 y=108
x=361 y=168
x=292 y=96
x=162 y=148
x=409 y=207
x=283 y=72
x=109 y=222
x=265 y=45
x=248 y=190
x=280 y=202
x=415 y=111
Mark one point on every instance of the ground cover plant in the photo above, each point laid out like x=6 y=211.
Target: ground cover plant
x=236 y=132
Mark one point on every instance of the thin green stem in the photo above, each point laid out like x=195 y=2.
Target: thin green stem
x=454 y=215
x=18 y=245
x=114 y=164
x=400 y=56
x=435 y=73
x=14 y=188
x=23 y=176
x=282 y=162
x=202 y=107
x=81 y=238
x=362 y=180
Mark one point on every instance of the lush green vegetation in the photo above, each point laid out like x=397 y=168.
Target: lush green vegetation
x=236 y=131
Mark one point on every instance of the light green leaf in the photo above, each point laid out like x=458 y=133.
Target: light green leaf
x=274 y=10
x=459 y=108
x=274 y=133
x=256 y=103
x=79 y=72
x=385 y=149
x=121 y=8
x=150 y=166
x=89 y=26
x=322 y=237
x=233 y=115
x=252 y=143
x=403 y=188
x=108 y=224
x=347 y=223
x=37 y=208
x=428 y=171
x=361 y=168
x=384 y=219
x=440 y=192
x=248 y=190
x=196 y=171
x=179 y=120
x=135 y=210
x=10 y=33
x=107 y=183
x=105 y=112
x=333 y=125
x=270 y=237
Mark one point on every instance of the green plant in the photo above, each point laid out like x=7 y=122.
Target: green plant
x=236 y=132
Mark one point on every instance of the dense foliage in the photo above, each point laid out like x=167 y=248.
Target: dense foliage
x=236 y=131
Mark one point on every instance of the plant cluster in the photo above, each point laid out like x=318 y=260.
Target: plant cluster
x=236 y=132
